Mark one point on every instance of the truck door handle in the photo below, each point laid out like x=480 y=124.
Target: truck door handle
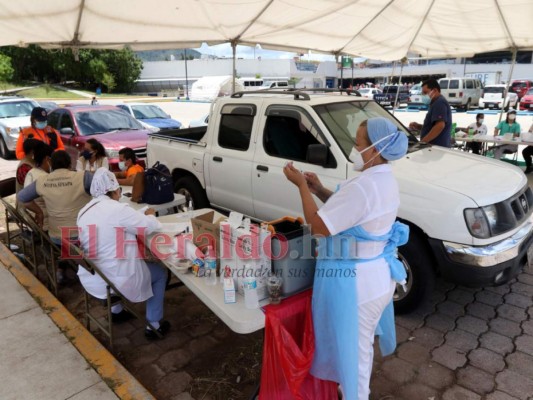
x=217 y=159
x=263 y=168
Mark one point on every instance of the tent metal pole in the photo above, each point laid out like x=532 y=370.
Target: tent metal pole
x=513 y=62
x=342 y=70
x=186 y=76
x=402 y=61
x=234 y=69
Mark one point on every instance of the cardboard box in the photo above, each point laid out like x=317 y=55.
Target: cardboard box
x=206 y=231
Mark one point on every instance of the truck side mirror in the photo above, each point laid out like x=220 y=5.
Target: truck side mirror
x=317 y=154
x=66 y=131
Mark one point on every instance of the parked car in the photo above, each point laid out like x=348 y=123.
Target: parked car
x=461 y=92
x=199 y=122
x=526 y=103
x=109 y=125
x=15 y=114
x=416 y=89
x=150 y=116
x=521 y=87
x=368 y=93
x=388 y=96
x=462 y=228
x=48 y=105
x=493 y=97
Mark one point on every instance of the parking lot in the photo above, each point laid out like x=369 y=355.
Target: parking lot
x=464 y=343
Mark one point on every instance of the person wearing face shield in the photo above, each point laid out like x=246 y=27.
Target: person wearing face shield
x=39 y=130
x=357 y=267
x=508 y=126
x=437 y=125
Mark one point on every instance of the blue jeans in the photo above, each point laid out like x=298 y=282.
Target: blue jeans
x=154 y=305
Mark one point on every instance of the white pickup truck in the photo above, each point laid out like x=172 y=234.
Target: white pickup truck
x=470 y=216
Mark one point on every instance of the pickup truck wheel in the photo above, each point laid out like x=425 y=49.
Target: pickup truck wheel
x=4 y=151
x=418 y=264
x=193 y=191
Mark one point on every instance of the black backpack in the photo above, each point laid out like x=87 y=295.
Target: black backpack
x=158 y=185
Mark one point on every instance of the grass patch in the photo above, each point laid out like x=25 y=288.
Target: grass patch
x=49 y=92
x=13 y=85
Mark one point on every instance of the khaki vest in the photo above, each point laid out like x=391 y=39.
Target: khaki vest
x=64 y=195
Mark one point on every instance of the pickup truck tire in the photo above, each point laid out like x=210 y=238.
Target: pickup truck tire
x=4 y=151
x=417 y=260
x=192 y=190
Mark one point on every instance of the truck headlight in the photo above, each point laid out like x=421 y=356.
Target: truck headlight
x=112 y=153
x=488 y=221
x=13 y=131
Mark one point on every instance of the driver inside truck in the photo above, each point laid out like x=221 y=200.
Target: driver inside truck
x=361 y=212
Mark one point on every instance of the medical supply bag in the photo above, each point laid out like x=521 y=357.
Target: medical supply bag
x=288 y=350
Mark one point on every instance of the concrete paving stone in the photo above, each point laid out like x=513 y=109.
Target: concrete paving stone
x=409 y=321
x=451 y=309
x=182 y=396
x=527 y=327
x=525 y=278
x=173 y=340
x=440 y=322
x=174 y=360
x=99 y=391
x=524 y=344
x=511 y=312
x=123 y=329
x=461 y=296
x=459 y=393
x=202 y=329
x=417 y=391
x=476 y=380
x=150 y=373
x=201 y=345
x=518 y=300
x=448 y=356
x=444 y=286
x=497 y=395
x=521 y=363
x=530 y=311
x=398 y=370
x=222 y=332
x=382 y=387
x=522 y=288
x=489 y=298
x=514 y=384
x=413 y=353
x=498 y=343
x=472 y=324
x=435 y=375
x=486 y=360
x=502 y=289
x=428 y=337
x=175 y=382
x=143 y=355
x=15 y=299
x=461 y=340
x=469 y=289
x=480 y=310
x=505 y=327
x=25 y=370
x=402 y=334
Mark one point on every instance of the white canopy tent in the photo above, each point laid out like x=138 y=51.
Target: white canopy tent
x=378 y=29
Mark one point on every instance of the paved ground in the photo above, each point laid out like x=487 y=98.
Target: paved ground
x=38 y=361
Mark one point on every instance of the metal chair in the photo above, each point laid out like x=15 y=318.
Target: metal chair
x=113 y=297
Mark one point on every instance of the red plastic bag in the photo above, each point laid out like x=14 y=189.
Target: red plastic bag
x=288 y=351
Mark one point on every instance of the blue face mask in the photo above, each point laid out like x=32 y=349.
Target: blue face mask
x=40 y=124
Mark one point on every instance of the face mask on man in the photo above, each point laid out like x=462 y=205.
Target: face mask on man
x=480 y=121
x=426 y=98
x=122 y=165
x=40 y=124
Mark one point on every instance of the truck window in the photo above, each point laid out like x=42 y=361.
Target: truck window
x=288 y=133
x=66 y=121
x=235 y=128
x=53 y=120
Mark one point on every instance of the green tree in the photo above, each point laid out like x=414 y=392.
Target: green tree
x=125 y=67
x=6 y=69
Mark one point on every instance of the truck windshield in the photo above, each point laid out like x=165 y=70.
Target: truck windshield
x=103 y=121
x=489 y=89
x=343 y=119
x=148 y=112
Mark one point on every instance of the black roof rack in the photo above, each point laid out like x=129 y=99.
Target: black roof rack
x=349 y=92
x=296 y=93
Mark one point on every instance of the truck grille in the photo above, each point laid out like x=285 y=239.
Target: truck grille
x=140 y=152
x=522 y=204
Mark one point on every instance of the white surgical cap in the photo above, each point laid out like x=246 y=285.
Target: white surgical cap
x=103 y=181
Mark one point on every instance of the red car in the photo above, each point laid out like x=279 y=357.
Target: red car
x=108 y=124
x=521 y=87
x=526 y=103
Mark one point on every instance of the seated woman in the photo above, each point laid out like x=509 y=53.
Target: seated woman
x=527 y=153
x=92 y=157
x=508 y=126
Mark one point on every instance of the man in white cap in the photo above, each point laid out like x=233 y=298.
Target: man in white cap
x=108 y=232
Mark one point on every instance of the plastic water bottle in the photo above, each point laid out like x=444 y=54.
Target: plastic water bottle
x=210 y=267
x=190 y=210
x=250 y=289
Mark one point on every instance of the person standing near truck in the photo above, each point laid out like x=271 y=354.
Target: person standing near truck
x=348 y=306
x=437 y=125
x=39 y=130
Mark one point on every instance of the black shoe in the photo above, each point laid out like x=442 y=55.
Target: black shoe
x=122 y=316
x=528 y=170
x=164 y=327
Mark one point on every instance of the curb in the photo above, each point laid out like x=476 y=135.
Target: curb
x=123 y=384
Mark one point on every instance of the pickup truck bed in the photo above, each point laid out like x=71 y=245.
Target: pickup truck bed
x=193 y=135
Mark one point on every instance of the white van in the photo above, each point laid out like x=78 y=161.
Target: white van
x=276 y=84
x=461 y=92
x=251 y=83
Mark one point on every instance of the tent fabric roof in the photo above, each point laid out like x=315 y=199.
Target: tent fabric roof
x=377 y=29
